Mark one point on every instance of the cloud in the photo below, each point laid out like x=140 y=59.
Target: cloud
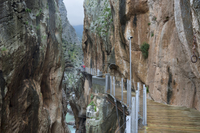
x=75 y=12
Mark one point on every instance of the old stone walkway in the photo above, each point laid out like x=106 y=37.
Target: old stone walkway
x=163 y=118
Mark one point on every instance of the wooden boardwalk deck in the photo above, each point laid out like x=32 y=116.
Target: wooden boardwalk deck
x=163 y=118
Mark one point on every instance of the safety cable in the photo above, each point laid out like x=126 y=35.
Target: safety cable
x=122 y=125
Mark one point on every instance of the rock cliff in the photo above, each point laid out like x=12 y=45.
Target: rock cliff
x=73 y=81
x=73 y=53
x=32 y=66
x=167 y=26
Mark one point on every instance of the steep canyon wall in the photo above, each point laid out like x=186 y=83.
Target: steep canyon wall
x=167 y=26
x=32 y=65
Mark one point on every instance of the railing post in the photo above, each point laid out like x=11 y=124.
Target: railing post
x=106 y=86
x=144 y=106
x=114 y=85
x=138 y=86
x=128 y=124
x=130 y=100
x=111 y=85
x=143 y=122
x=122 y=88
x=127 y=92
x=133 y=116
x=136 y=112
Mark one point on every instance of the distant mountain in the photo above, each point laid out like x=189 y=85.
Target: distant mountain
x=79 y=31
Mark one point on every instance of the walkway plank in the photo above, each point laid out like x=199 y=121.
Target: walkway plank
x=163 y=118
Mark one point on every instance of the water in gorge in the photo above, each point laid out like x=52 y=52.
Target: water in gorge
x=70 y=118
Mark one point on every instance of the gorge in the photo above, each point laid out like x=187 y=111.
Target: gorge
x=41 y=57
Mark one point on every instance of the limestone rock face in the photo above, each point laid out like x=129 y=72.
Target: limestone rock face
x=106 y=120
x=31 y=67
x=73 y=81
x=167 y=26
x=78 y=103
x=73 y=53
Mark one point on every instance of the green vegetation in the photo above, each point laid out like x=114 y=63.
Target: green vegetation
x=103 y=24
x=3 y=49
x=28 y=10
x=95 y=108
x=44 y=37
x=38 y=27
x=26 y=22
x=149 y=23
x=39 y=13
x=147 y=89
x=70 y=78
x=42 y=48
x=91 y=96
x=152 y=34
x=144 y=48
x=91 y=104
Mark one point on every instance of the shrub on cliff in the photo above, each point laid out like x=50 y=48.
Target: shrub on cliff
x=144 y=48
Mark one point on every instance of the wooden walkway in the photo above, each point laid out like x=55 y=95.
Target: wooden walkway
x=163 y=118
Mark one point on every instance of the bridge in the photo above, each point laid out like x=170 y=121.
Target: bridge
x=159 y=117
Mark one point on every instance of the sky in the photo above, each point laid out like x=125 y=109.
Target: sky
x=75 y=12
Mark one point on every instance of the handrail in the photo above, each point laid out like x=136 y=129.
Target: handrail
x=135 y=105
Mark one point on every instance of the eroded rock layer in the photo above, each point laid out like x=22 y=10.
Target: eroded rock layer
x=167 y=26
x=31 y=67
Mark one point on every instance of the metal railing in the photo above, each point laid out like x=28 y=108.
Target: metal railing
x=133 y=103
x=115 y=85
x=92 y=71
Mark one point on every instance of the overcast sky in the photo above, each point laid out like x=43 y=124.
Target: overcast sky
x=75 y=12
